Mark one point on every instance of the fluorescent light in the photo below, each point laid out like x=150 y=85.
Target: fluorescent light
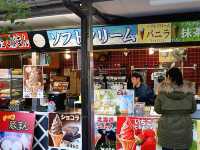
x=165 y=50
x=169 y=2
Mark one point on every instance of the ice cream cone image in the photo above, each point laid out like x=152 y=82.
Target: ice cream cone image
x=56 y=132
x=57 y=139
x=142 y=33
x=127 y=144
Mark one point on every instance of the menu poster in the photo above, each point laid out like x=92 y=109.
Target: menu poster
x=154 y=33
x=65 y=131
x=16 y=132
x=105 y=132
x=135 y=133
x=114 y=102
x=33 y=86
x=165 y=56
x=196 y=135
x=60 y=83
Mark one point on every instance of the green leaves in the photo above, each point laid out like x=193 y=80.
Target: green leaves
x=13 y=10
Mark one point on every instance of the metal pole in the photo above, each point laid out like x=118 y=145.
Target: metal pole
x=87 y=90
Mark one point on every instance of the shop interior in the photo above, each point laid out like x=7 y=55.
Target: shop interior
x=112 y=70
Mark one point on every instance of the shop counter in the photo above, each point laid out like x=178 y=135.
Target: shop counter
x=40 y=140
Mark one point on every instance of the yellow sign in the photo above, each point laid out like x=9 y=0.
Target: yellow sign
x=166 y=57
x=154 y=33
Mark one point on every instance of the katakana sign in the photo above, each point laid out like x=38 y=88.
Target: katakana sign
x=154 y=33
x=104 y=35
x=186 y=31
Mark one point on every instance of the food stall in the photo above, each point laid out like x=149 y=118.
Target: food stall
x=47 y=81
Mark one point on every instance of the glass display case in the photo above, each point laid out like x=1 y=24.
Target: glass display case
x=10 y=87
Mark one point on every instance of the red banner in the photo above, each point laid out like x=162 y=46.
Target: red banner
x=17 y=122
x=14 y=41
x=16 y=130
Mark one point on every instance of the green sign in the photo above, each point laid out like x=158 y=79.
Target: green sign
x=186 y=31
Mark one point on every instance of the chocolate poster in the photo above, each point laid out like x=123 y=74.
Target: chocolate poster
x=33 y=86
x=137 y=133
x=65 y=131
x=16 y=132
x=105 y=132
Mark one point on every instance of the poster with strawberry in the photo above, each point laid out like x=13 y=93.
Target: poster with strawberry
x=137 y=133
x=105 y=132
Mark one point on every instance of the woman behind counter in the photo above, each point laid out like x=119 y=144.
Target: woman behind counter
x=175 y=101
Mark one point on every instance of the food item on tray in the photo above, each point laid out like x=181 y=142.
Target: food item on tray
x=71 y=133
x=5 y=91
x=17 y=72
x=56 y=131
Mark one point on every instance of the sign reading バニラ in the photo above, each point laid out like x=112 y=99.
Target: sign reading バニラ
x=105 y=35
x=186 y=31
x=154 y=33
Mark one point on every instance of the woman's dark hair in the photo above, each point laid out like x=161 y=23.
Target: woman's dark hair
x=175 y=76
x=137 y=75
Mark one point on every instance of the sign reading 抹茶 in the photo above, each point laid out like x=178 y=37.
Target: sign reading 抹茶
x=186 y=31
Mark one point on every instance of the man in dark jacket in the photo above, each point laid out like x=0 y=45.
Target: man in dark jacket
x=143 y=93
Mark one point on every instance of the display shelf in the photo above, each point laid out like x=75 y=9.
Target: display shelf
x=11 y=85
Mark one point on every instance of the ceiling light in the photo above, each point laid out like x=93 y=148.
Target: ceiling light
x=67 y=56
x=169 y=2
x=151 y=51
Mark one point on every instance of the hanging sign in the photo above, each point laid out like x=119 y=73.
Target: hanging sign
x=33 y=84
x=105 y=35
x=154 y=33
x=186 y=31
x=14 y=41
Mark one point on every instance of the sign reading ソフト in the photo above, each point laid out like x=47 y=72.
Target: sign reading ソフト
x=16 y=130
x=14 y=41
x=104 y=35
